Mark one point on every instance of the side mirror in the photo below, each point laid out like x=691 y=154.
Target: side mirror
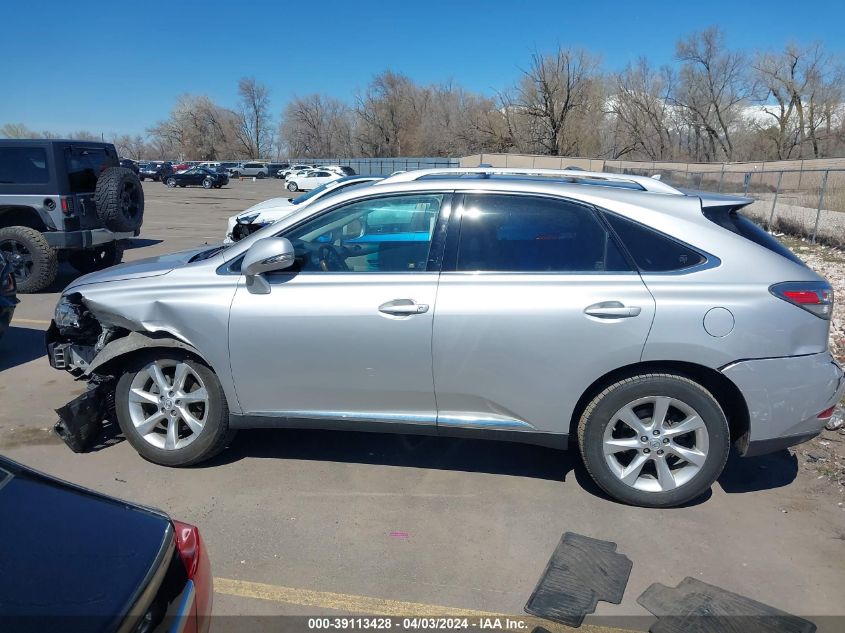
x=264 y=256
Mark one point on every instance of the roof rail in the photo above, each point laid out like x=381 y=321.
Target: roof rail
x=647 y=183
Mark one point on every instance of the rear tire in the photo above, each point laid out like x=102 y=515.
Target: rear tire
x=260 y=175
x=171 y=183
x=653 y=465
x=208 y=183
x=291 y=186
x=34 y=263
x=119 y=199
x=148 y=424
x=98 y=258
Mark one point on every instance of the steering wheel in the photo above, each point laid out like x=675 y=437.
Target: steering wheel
x=331 y=260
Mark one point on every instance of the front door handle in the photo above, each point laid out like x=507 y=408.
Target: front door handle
x=612 y=310
x=403 y=307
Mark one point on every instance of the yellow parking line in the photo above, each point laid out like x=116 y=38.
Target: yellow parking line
x=375 y=606
x=31 y=321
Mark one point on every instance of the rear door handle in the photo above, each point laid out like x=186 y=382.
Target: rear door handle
x=612 y=310
x=403 y=307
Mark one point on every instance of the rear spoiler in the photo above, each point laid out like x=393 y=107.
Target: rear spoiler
x=719 y=202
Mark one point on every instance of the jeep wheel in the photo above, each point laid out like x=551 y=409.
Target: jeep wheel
x=119 y=198
x=98 y=258
x=34 y=262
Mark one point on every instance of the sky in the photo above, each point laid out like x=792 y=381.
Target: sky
x=117 y=66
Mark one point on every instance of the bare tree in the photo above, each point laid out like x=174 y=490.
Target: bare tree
x=316 y=126
x=255 y=128
x=549 y=96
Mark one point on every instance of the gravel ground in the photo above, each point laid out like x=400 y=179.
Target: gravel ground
x=824 y=457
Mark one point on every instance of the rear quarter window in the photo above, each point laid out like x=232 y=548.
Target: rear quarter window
x=84 y=166
x=23 y=166
x=651 y=250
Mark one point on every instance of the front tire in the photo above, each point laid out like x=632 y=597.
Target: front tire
x=291 y=186
x=172 y=409
x=171 y=183
x=654 y=440
x=208 y=183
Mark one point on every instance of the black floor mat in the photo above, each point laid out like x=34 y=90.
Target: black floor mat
x=581 y=572
x=696 y=607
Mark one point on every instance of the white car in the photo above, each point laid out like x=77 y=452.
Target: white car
x=295 y=168
x=264 y=213
x=311 y=179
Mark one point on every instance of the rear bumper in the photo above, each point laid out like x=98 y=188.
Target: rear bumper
x=784 y=396
x=83 y=239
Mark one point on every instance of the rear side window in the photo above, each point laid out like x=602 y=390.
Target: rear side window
x=739 y=224
x=23 y=166
x=84 y=166
x=530 y=234
x=653 y=251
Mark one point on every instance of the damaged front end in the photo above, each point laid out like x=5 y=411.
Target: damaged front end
x=74 y=339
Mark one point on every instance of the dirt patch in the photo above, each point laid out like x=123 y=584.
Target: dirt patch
x=16 y=436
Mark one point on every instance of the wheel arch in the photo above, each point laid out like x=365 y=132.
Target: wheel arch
x=19 y=215
x=120 y=351
x=727 y=394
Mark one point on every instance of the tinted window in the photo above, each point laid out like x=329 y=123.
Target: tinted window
x=741 y=225
x=390 y=234
x=84 y=166
x=653 y=251
x=23 y=165
x=527 y=234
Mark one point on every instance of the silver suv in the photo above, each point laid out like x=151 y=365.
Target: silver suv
x=650 y=327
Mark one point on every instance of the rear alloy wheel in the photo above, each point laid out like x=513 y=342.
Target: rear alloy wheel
x=260 y=175
x=171 y=182
x=208 y=183
x=655 y=440
x=291 y=186
x=34 y=263
x=172 y=409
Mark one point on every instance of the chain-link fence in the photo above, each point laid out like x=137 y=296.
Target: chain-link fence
x=809 y=203
x=380 y=166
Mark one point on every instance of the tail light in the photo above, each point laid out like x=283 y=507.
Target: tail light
x=827 y=413
x=812 y=296
x=67 y=205
x=192 y=552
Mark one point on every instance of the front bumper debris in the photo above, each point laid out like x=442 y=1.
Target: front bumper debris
x=80 y=421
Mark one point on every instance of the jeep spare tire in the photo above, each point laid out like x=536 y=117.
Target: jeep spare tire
x=119 y=197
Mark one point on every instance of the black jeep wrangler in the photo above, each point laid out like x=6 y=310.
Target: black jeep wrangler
x=64 y=200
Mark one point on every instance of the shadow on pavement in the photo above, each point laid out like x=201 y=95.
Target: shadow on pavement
x=415 y=451
x=750 y=474
x=140 y=242
x=20 y=345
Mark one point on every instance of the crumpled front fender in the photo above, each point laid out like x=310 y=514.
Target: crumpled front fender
x=135 y=341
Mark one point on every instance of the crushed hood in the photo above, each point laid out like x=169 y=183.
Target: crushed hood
x=147 y=267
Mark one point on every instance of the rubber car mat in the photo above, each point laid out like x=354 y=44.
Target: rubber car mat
x=697 y=607
x=580 y=572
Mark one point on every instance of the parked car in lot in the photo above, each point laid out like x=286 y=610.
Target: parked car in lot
x=64 y=199
x=130 y=164
x=155 y=170
x=77 y=560
x=295 y=168
x=260 y=215
x=650 y=327
x=343 y=170
x=257 y=170
x=232 y=168
x=8 y=298
x=305 y=181
x=275 y=169
x=180 y=167
x=198 y=177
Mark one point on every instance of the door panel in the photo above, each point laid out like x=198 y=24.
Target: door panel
x=516 y=351
x=319 y=344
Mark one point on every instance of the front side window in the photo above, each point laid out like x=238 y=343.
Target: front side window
x=508 y=233
x=381 y=235
x=23 y=166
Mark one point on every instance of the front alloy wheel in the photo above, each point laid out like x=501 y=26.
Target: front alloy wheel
x=171 y=182
x=172 y=409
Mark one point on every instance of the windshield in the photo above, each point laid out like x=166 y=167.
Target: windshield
x=313 y=193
